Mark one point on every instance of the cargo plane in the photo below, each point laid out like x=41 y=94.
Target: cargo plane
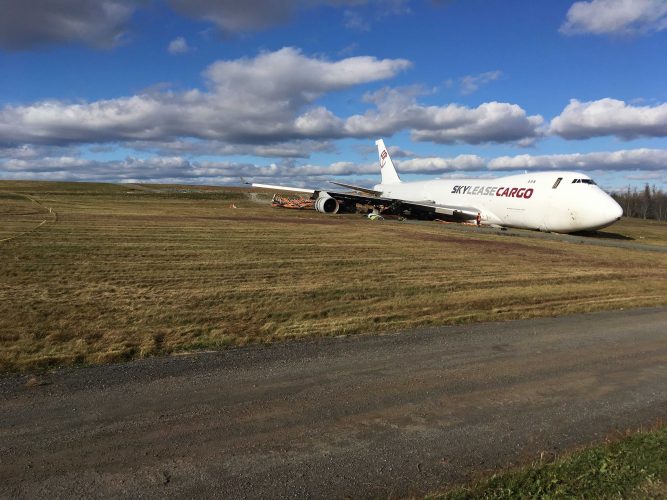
x=561 y=202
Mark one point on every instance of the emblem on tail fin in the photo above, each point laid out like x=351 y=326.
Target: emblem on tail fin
x=387 y=170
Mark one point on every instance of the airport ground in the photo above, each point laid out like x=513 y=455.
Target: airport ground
x=101 y=274
x=367 y=417
x=120 y=272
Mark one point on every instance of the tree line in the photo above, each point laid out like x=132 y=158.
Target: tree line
x=648 y=203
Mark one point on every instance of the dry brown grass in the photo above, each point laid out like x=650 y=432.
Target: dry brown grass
x=20 y=214
x=126 y=272
x=651 y=232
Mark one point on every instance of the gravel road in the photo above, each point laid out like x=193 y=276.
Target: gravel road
x=372 y=416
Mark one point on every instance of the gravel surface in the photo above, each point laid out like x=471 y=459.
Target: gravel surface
x=372 y=416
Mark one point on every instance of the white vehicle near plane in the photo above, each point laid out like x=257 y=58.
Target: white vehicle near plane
x=562 y=202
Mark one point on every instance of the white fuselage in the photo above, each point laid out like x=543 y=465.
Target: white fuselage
x=530 y=201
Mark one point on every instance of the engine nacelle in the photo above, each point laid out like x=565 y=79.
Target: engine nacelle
x=326 y=204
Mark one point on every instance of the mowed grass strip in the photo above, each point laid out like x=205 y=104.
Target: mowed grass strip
x=129 y=272
x=647 y=231
x=633 y=467
x=19 y=215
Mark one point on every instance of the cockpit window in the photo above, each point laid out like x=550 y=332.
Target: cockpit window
x=583 y=181
x=556 y=183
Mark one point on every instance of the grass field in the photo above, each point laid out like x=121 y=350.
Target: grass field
x=632 y=467
x=116 y=272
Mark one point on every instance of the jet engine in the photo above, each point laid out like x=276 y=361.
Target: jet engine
x=326 y=204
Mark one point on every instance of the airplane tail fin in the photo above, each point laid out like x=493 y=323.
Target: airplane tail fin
x=387 y=169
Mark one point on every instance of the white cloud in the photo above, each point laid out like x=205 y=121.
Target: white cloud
x=471 y=83
x=175 y=169
x=631 y=159
x=268 y=100
x=582 y=120
x=395 y=152
x=618 y=17
x=196 y=147
x=178 y=169
x=287 y=72
x=318 y=122
x=397 y=109
x=436 y=165
x=489 y=122
x=265 y=100
x=178 y=45
x=30 y=23
x=649 y=163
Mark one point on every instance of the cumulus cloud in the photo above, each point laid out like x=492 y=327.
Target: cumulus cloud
x=288 y=73
x=196 y=147
x=489 y=122
x=260 y=100
x=318 y=122
x=471 y=83
x=178 y=45
x=582 y=120
x=70 y=165
x=175 y=169
x=397 y=109
x=618 y=17
x=80 y=169
x=30 y=23
x=178 y=169
x=437 y=165
x=269 y=99
x=642 y=159
x=395 y=152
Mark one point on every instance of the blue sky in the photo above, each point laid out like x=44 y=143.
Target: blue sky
x=297 y=91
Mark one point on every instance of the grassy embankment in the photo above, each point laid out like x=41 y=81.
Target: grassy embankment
x=121 y=272
x=634 y=467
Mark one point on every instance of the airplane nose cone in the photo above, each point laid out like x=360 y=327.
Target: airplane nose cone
x=615 y=210
x=605 y=212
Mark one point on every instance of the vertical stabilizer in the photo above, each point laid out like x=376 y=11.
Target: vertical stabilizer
x=389 y=175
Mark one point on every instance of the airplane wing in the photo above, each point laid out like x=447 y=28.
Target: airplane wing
x=373 y=198
x=331 y=202
x=357 y=188
x=400 y=206
x=281 y=188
